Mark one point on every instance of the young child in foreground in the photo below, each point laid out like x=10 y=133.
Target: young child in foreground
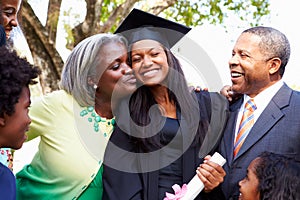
x=16 y=74
x=271 y=176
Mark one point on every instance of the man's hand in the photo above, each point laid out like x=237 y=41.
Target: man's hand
x=227 y=92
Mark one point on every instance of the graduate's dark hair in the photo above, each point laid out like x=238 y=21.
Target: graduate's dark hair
x=186 y=103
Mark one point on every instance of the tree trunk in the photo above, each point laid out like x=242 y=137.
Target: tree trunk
x=52 y=19
x=42 y=49
x=91 y=24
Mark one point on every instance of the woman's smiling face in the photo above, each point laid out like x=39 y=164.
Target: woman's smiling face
x=149 y=62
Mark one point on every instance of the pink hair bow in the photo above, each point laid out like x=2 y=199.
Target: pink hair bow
x=179 y=192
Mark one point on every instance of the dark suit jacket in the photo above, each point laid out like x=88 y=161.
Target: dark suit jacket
x=7 y=183
x=276 y=130
x=123 y=183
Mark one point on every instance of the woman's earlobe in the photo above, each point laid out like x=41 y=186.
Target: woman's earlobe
x=2 y=121
x=92 y=83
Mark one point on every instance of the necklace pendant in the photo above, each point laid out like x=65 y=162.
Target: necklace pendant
x=106 y=125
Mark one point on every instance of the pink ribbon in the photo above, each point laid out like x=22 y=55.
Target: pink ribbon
x=179 y=192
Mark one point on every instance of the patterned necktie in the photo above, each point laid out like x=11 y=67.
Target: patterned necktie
x=245 y=125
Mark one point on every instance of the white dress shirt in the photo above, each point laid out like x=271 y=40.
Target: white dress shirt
x=261 y=101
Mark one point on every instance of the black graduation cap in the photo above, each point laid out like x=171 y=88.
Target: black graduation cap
x=2 y=36
x=139 y=25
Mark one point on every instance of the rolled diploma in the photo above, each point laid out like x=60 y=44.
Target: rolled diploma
x=195 y=186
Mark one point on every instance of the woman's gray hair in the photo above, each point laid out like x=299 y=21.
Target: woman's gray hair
x=81 y=67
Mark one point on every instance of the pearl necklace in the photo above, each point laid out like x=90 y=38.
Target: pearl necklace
x=106 y=125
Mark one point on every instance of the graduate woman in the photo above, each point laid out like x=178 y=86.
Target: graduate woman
x=162 y=126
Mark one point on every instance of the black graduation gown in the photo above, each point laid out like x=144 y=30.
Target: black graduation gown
x=127 y=183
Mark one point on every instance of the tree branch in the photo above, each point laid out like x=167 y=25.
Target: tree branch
x=120 y=12
x=157 y=6
x=52 y=19
x=44 y=53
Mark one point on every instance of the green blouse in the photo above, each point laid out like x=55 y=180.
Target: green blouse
x=70 y=153
x=95 y=189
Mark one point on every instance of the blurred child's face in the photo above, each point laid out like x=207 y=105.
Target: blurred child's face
x=13 y=128
x=10 y=10
x=249 y=185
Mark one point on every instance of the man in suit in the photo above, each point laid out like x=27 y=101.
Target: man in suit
x=257 y=65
